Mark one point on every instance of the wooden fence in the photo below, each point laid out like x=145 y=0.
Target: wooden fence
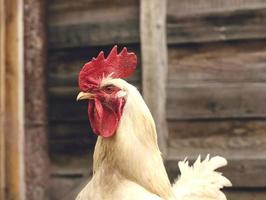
x=201 y=69
x=24 y=171
x=212 y=97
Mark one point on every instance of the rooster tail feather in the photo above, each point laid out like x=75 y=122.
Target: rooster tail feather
x=201 y=181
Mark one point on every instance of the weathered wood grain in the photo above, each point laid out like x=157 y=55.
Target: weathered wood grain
x=204 y=81
x=154 y=63
x=217 y=80
x=2 y=100
x=71 y=26
x=227 y=137
x=216 y=127
x=179 y=7
x=68 y=5
x=198 y=7
x=228 y=25
x=14 y=101
x=102 y=16
x=246 y=194
x=228 y=62
x=36 y=147
x=197 y=101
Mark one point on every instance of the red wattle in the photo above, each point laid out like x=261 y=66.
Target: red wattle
x=104 y=117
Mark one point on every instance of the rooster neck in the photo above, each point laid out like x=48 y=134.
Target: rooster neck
x=133 y=151
x=138 y=163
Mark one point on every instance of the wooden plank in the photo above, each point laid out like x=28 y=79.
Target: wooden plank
x=217 y=79
x=217 y=127
x=246 y=194
x=70 y=26
x=14 y=101
x=92 y=34
x=182 y=8
x=154 y=63
x=199 y=101
x=36 y=148
x=68 y=5
x=231 y=62
x=96 y=26
x=2 y=101
x=226 y=137
x=204 y=7
x=229 y=25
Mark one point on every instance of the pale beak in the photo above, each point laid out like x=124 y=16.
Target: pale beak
x=84 y=95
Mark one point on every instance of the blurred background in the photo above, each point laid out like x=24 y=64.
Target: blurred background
x=216 y=88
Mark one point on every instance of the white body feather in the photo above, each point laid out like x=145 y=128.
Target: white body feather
x=201 y=181
x=129 y=166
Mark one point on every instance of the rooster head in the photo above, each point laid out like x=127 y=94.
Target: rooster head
x=106 y=101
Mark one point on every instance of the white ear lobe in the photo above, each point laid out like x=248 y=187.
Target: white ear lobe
x=121 y=93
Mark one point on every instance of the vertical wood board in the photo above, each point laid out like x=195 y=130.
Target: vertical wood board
x=14 y=100
x=36 y=150
x=154 y=62
x=2 y=100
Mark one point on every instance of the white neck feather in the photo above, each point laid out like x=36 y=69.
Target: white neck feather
x=133 y=151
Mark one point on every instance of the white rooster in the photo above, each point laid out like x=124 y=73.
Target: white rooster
x=127 y=163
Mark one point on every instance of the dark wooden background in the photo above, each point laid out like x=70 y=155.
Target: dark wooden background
x=216 y=88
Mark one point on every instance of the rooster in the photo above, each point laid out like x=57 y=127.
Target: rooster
x=127 y=163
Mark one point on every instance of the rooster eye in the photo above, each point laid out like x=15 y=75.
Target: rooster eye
x=108 y=89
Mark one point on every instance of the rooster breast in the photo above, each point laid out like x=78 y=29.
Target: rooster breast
x=114 y=187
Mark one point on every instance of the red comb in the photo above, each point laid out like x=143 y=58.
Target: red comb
x=120 y=65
